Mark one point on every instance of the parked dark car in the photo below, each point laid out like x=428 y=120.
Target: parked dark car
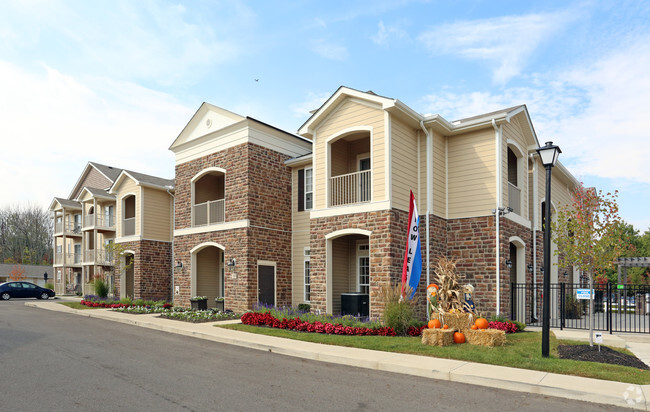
x=10 y=290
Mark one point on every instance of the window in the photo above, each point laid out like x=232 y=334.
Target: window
x=363 y=267
x=307 y=279
x=309 y=191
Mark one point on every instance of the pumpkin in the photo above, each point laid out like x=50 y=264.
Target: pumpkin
x=474 y=327
x=459 y=337
x=434 y=323
x=481 y=323
x=445 y=326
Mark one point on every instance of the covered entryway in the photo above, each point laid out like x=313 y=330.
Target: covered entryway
x=266 y=283
x=518 y=276
x=348 y=272
x=208 y=271
x=128 y=286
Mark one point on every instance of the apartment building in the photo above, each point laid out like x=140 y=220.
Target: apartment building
x=107 y=206
x=269 y=216
x=258 y=214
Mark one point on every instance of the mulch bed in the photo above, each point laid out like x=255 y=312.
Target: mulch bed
x=606 y=355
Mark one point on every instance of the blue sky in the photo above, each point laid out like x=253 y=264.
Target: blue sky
x=116 y=81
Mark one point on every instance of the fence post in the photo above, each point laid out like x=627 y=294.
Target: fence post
x=513 y=293
x=609 y=307
x=562 y=307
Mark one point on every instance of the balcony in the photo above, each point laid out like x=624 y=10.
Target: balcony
x=128 y=227
x=514 y=198
x=208 y=213
x=106 y=222
x=98 y=257
x=350 y=188
x=68 y=259
x=67 y=229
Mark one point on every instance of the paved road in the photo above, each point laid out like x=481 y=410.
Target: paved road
x=56 y=361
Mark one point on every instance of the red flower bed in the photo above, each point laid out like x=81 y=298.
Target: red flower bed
x=266 y=319
x=104 y=304
x=415 y=331
x=507 y=327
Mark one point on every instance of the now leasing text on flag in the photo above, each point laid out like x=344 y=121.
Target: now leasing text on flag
x=412 y=268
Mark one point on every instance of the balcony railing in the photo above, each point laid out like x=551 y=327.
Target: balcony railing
x=98 y=257
x=514 y=198
x=350 y=188
x=58 y=258
x=70 y=259
x=89 y=220
x=69 y=229
x=100 y=221
x=208 y=213
x=128 y=227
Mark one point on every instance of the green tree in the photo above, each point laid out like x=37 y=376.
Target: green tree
x=588 y=234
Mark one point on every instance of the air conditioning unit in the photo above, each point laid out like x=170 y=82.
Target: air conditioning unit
x=355 y=304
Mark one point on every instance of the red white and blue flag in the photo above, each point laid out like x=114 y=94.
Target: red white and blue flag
x=412 y=268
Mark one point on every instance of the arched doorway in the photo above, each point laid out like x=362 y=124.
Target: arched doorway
x=208 y=271
x=518 y=277
x=348 y=269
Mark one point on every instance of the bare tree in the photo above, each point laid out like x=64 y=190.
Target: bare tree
x=25 y=235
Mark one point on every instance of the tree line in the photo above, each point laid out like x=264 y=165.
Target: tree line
x=26 y=234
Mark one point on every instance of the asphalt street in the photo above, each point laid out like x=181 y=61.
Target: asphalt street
x=57 y=361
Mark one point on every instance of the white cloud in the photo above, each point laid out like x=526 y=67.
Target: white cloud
x=329 y=50
x=504 y=42
x=384 y=33
x=312 y=102
x=52 y=124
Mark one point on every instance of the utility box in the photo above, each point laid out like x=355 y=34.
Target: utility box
x=355 y=303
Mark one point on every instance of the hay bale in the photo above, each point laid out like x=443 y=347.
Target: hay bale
x=438 y=337
x=455 y=321
x=486 y=337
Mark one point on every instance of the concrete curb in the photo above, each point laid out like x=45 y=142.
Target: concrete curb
x=521 y=380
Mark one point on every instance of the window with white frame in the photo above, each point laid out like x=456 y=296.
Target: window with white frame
x=363 y=268
x=307 y=279
x=309 y=189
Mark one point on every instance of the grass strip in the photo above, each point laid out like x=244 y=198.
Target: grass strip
x=522 y=350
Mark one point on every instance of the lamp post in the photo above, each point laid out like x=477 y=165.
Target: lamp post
x=548 y=155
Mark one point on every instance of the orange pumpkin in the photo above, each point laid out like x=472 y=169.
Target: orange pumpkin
x=481 y=323
x=459 y=337
x=445 y=326
x=474 y=327
x=434 y=323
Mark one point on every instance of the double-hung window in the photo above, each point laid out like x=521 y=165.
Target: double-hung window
x=307 y=279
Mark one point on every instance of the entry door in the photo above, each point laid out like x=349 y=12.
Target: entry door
x=266 y=284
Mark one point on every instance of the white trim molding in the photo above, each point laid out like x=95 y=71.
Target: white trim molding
x=237 y=224
x=351 y=209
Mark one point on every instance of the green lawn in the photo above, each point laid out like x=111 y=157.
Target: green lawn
x=522 y=350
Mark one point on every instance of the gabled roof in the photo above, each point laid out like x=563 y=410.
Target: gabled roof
x=65 y=203
x=142 y=179
x=109 y=172
x=98 y=193
x=207 y=119
x=342 y=93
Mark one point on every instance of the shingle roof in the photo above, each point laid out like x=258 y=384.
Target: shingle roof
x=68 y=203
x=30 y=270
x=152 y=180
x=109 y=171
x=99 y=192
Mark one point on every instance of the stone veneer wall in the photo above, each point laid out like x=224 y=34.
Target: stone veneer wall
x=257 y=189
x=152 y=263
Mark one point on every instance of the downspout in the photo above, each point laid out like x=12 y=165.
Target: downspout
x=497 y=213
x=173 y=228
x=429 y=194
x=535 y=200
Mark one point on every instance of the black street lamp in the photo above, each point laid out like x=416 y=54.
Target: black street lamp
x=548 y=154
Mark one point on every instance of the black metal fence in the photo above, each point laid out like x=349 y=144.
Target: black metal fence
x=615 y=310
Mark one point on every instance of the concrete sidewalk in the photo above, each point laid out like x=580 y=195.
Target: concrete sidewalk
x=523 y=380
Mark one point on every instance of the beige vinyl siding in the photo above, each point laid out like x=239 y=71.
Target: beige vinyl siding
x=561 y=191
x=299 y=241
x=472 y=174
x=439 y=176
x=512 y=131
x=127 y=186
x=350 y=114
x=157 y=214
x=404 y=162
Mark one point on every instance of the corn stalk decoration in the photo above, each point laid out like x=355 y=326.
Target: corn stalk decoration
x=449 y=296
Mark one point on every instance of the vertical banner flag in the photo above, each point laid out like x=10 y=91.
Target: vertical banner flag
x=412 y=268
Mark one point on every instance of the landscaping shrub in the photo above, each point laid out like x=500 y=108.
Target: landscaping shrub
x=101 y=288
x=304 y=307
x=572 y=307
x=398 y=313
x=49 y=285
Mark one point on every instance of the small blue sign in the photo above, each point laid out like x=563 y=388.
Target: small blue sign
x=583 y=293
